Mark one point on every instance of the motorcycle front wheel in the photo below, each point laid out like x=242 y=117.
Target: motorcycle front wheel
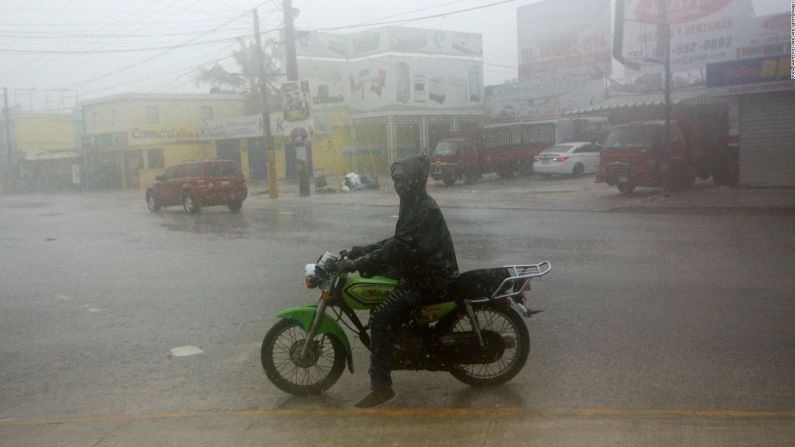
x=511 y=327
x=315 y=372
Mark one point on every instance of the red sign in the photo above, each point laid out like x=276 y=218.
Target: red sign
x=679 y=11
x=781 y=21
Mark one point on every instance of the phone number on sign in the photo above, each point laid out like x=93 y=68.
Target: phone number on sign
x=709 y=44
x=792 y=40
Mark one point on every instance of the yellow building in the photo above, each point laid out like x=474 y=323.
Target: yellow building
x=331 y=136
x=46 y=156
x=129 y=139
x=36 y=132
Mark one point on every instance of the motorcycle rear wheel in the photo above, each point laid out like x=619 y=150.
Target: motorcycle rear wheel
x=316 y=372
x=507 y=323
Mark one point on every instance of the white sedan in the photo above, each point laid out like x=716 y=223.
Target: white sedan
x=575 y=158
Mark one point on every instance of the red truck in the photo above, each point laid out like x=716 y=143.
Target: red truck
x=505 y=149
x=633 y=155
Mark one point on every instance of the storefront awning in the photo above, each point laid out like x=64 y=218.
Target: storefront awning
x=692 y=97
x=49 y=155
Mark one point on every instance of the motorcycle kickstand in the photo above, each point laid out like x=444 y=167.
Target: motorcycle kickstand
x=473 y=321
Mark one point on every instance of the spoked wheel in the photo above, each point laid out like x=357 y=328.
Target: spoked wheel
x=516 y=339
x=315 y=372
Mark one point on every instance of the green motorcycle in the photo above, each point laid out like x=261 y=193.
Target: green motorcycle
x=475 y=332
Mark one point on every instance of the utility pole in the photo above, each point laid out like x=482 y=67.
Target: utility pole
x=289 y=41
x=292 y=75
x=273 y=192
x=664 y=45
x=7 y=174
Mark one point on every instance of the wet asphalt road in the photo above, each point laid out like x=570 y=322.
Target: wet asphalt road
x=641 y=310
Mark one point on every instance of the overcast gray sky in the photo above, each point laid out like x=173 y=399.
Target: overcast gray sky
x=83 y=42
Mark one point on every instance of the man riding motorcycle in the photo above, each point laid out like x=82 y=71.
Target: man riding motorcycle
x=421 y=252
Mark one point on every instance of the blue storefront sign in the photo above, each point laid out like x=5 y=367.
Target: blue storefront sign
x=749 y=71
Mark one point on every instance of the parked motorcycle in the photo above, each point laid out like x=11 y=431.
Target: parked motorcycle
x=475 y=331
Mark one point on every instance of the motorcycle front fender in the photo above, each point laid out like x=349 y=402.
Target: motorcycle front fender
x=304 y=315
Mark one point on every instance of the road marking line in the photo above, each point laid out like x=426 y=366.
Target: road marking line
x=417 y=412
x=184 y=351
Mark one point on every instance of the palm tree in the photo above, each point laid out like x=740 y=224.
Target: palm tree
x=244 y=82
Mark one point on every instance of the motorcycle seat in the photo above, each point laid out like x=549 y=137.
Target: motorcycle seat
x=474 y=284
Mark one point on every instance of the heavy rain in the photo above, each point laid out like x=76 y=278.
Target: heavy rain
x=466 y=222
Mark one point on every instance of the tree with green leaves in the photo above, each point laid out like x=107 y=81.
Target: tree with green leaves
x=222 y=80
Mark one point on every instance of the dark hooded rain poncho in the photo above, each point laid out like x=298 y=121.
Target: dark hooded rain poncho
x=421 y=251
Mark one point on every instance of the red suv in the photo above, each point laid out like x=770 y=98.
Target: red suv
x=195 y=184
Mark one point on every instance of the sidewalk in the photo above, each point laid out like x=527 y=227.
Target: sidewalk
x=414 y=427
x=566 y=194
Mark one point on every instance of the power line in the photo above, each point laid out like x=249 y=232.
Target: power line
x=36 y=35
x=86 y=36
x=414 y=10
x=127 y=50
x=105 y=24
x=191 y=68
x=380 y=21
x=164 y=52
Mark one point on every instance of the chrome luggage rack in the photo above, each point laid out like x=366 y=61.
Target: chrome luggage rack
x=520 y=274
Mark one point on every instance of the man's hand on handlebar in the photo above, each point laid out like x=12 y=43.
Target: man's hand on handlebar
x=356 y=252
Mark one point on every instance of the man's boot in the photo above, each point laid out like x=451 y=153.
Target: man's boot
x=376 y=398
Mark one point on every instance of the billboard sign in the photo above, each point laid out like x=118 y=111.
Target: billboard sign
x=250 y=126
x=427 y=41
x=321 y=45
x=162 y=134
x=415 y=40
x=701 y=31
x=749 y=71
x=391 y=67
x=414 y=82
x=296 y=111
x=564 y=37
x=765 y=36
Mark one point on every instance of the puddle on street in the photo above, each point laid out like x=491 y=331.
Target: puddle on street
x=206 y=222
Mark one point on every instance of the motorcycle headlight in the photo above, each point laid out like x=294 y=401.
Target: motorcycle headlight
x=310 y=276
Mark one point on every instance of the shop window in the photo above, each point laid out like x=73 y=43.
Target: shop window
x=207 y=112
x=152 y=115
x=155 y=157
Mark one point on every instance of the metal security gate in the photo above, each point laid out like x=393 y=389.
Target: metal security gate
x=767 y=140
x=378 y=139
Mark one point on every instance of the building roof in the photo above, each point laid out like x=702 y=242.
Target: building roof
x=160 y=96
x=691 y=96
